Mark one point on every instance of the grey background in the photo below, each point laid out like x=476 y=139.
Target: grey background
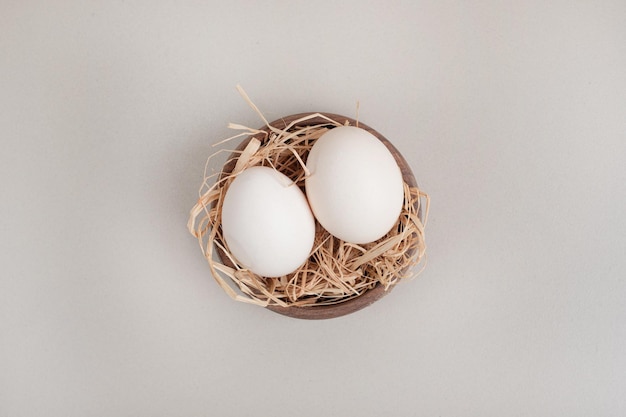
x=512 y=115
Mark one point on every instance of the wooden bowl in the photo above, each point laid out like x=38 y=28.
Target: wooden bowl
x=368 y=297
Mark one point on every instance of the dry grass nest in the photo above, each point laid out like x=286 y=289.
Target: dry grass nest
x=336 y=271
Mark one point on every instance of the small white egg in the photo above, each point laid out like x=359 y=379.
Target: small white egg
x=267 y=223
x=355 y=189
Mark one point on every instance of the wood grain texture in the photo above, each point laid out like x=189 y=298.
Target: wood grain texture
x=370 y=296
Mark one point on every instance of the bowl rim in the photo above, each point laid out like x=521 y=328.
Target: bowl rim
x=368 y=297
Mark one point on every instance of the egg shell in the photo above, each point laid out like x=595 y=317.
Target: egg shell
x=267 y=223
x=355 y=187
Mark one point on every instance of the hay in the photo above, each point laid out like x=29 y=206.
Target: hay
x=336 y=271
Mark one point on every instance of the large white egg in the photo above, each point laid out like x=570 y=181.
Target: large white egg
x=355 y=189
x=267 y=223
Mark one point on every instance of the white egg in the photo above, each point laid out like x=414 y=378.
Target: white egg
x=267 y=223
x=355 y=189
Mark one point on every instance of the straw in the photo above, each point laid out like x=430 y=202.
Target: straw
x=336 y=271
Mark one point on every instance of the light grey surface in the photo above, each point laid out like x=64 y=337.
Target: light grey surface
x=512 y=115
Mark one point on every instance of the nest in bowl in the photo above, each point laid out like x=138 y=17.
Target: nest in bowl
x=336 y=271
